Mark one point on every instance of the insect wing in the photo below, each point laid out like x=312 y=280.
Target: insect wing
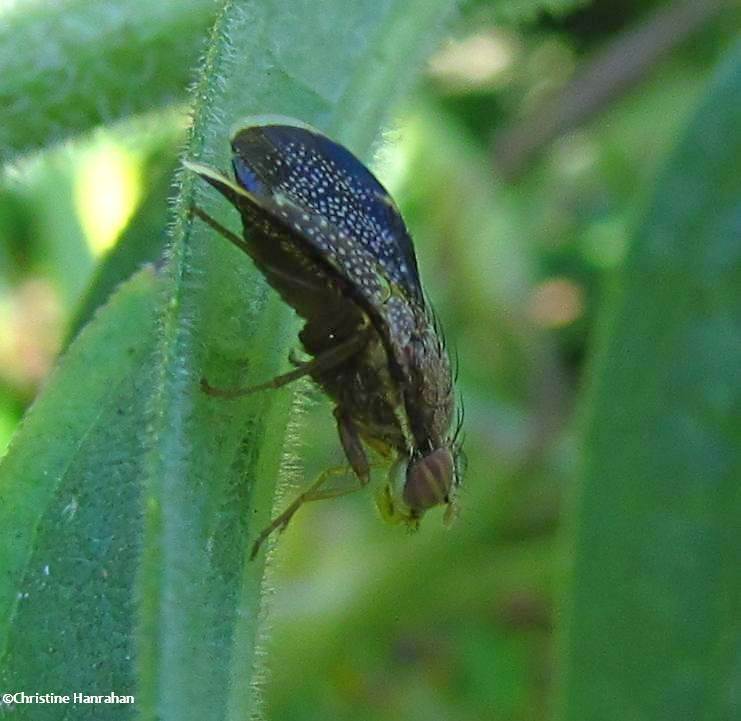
x=336 y=202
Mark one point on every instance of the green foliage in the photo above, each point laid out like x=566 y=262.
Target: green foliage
x=70 y=511
x=138 y=243
x=654 y=602
x=67 y=67
x=129 y=499
x=511 y=11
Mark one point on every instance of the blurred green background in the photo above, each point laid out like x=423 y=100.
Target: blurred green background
x=524 y=162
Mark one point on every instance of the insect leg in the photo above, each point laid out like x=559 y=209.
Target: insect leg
x=220 y=229
x=355 y=453
x=353 y=446
x=244 y=246
x=313 y=493
x=330 y=358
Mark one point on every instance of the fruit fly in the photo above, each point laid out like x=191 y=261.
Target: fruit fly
x=330 y=240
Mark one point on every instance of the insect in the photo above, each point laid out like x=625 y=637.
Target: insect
x=330 y=240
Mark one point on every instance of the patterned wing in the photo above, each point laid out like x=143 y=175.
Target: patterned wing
x=334 y=202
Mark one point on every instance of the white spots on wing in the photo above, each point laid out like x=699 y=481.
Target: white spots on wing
x=327 y=193
x=400 y=319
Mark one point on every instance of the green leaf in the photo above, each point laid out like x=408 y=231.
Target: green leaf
x=213 y=465
x=70 y=514
x=653 y=611
x=67 y=67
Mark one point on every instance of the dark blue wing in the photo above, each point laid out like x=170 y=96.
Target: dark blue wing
x=325 y=189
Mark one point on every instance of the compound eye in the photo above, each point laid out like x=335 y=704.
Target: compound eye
x=429 y=480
